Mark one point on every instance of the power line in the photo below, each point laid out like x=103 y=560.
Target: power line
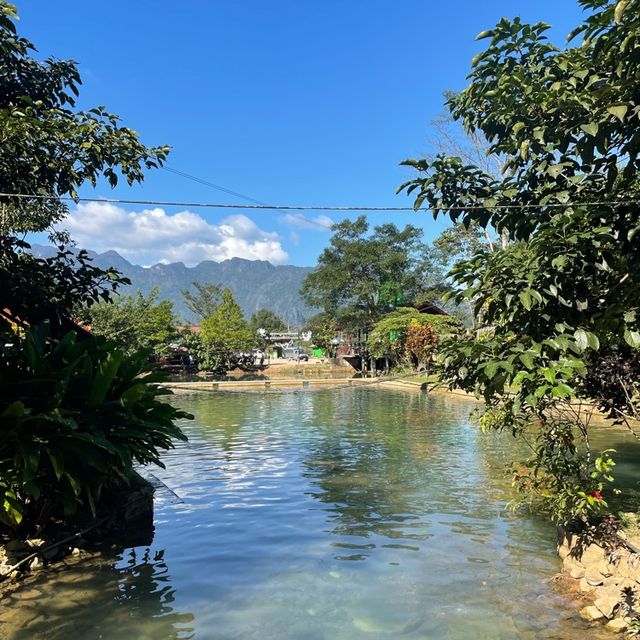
x=281 y=207
x=206 y=183
x=301 y=219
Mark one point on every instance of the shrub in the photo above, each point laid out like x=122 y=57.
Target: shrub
x=389 y=335
x=74 y=418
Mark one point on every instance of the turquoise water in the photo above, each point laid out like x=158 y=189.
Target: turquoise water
x=348 y=514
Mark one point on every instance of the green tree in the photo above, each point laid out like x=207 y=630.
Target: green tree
x=267 y=320
x=226 y=330
x=205 y=354
x=564 y=294
x=48 y=150
x=134 y=322
x=362 y=274
x=323 y=331
x=204 y=300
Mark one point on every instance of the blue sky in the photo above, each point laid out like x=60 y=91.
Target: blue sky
x=289 y=102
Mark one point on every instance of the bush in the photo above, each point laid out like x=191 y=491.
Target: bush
x=74 y=418
x=389 y=335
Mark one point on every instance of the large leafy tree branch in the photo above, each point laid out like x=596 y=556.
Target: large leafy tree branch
x=563 y=296
x=47 y=147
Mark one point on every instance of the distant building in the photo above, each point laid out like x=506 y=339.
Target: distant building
x=426 y=306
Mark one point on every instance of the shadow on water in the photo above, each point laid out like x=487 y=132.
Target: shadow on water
x=129 y=596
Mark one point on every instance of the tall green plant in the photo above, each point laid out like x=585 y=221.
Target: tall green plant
x=74 y=418
x=226 y=330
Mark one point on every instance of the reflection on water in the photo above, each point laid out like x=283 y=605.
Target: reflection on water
x=349 y=514
x=130 y=596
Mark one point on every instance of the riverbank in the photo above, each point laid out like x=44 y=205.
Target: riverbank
x=123 y=516
x=278 y=379
x=608 y=580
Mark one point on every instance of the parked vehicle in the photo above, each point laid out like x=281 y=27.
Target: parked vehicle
x=295 y=353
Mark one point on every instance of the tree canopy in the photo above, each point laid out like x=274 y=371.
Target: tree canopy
x=565 y=124
x=48 y=147
x=204 y=300
x=267 y=320
x=133 y=321
x=226 y=330
x=364 y=273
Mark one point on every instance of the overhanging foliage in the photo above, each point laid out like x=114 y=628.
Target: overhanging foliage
x=566 y=125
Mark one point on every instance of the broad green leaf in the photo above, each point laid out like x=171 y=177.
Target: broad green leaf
x=485 y=34
x=491 y=369
x=592 y=339
x=104 y=378
x=592 y=128
x=632 y=338
x=525 y=299
x=619 y=111
x=562 y=391
x=527 y=360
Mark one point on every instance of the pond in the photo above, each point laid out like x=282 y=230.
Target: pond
x=337 y=515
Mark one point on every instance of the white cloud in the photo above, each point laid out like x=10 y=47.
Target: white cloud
x=319 y=223
x=152 y=235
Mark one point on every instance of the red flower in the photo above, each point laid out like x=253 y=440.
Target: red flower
x=596 y=494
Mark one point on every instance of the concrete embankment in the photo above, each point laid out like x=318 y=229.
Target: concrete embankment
x=405 y=384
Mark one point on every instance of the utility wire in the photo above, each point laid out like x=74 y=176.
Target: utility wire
x=282 y=207
x=206 y=183
x=301 y=219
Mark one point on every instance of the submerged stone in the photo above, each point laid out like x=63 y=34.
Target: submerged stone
x=617 y=625
x=608 y=605
x=591 y=613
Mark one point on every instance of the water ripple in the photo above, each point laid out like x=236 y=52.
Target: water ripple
x=345 y=515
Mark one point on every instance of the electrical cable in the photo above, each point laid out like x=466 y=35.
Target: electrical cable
x=280 y=207
x=206 y=183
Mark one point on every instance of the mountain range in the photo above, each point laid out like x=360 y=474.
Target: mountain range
x=256 y=284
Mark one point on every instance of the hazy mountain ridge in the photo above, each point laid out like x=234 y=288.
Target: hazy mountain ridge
x=256 y=284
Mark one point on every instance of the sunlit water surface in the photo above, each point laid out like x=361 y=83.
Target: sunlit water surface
x=335 y=515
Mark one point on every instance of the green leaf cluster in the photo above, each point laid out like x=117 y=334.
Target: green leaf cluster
x=564 y=124
x=226 y=330
x=75 y=416
x=133 y=322
x=49 y=148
